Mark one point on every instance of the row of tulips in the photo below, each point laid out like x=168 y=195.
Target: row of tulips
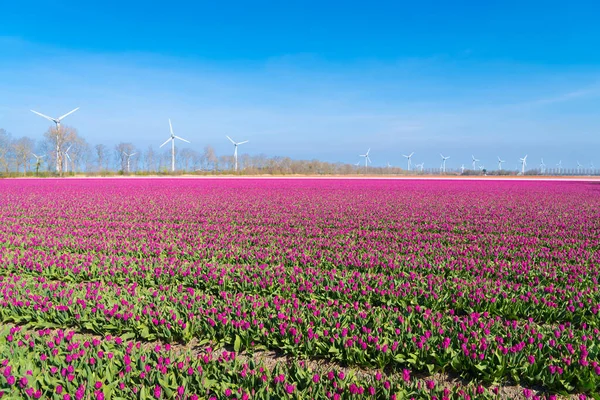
x=54 y=364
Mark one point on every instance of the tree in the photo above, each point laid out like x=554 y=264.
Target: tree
x=210 y=158
x=122 y=152
x=150 y=159
x=5 y=150
x=59 y=141
x=101 y=156
x=23 y=147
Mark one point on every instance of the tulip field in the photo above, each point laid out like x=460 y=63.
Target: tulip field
x=299 y=289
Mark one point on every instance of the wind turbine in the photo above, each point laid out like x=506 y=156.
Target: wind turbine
x=67 y=159
x=38 y=161
x=128 y=159
x=579 y=166
x=57 y=123
x=559 y=165
x=420 y=166
x=474 y=161
x=462 y=169
x=444 y=162
x=543 y=167
x=408 y=159
x=367 y=159
x=235 y=145
x=500 y=161
x=523 y=164
x=172 y=140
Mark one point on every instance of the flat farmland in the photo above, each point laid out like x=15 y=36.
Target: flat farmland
x=298 y=288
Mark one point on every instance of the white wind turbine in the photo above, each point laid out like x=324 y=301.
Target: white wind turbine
x=38 y=161
x=128 y=159
x=444 y=162
x=57 y=123
x=500 y=161
x=235 y=145
x=172 y=140
x=367 y=159
x=462 y=169
x=523 y=164
x=420 y=166
x=542 y=167
x=408 y=157
x=67 y=159
x=559 y=165
x=579 y=166
x=474 y=161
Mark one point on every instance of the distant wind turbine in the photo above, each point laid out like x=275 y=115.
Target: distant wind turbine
x=57 y=123
x=500 y=161
x=523 y=164
x=128 y=159
x=559 y=165
x=542 y=167
x=67 y=159
x=38 y=162
x=235 y=145
x=367 y=159
x=420 y=166
x=408 y=157
x=474 y=161
x=462 y=169
x=172 y=140
x=444 y=162
x=579 y=166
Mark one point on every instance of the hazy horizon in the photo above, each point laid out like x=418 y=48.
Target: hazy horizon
x=313 y=81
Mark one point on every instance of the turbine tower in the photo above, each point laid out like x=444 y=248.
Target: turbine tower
x=500 y=161
x=367 y=159
x=408 y=159
x=444 y=162
x=523 y=164
x=235 y=145
x=172 y=140
x=57 y=123
x=474 y=162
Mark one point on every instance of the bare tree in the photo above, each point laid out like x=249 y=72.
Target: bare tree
x=60 y=139
x=122 y=152
x=150 y=159
x=210 y=157
x=101 y=155
x=5 y=150
x=23 y=148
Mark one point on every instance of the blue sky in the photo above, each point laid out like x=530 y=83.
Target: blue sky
x=313 y=80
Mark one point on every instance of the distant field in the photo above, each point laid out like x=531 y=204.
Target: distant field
x=299 y=288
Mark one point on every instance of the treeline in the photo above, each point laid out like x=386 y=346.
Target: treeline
x=25 y=156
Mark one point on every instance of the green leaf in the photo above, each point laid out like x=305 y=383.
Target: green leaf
x=237 y=343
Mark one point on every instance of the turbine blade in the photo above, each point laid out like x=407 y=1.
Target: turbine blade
x=245 y=141
x=44 y=116
x=230 y=139
x=177 y=137
x=168 y=140
x=69 y=113
x=171 y=127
